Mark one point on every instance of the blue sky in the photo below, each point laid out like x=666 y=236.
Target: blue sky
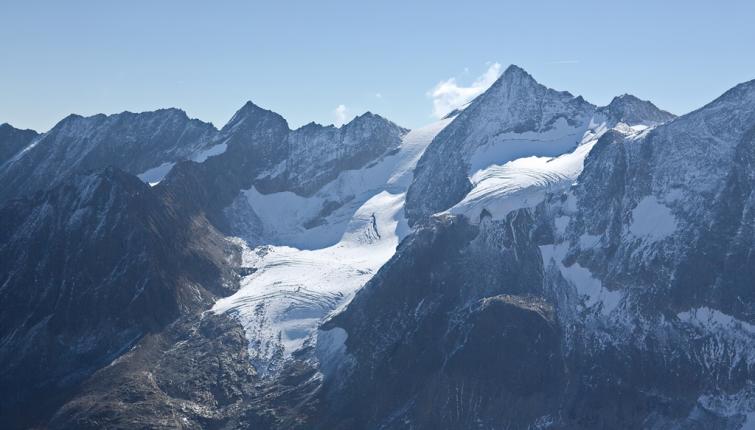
x=326 y=61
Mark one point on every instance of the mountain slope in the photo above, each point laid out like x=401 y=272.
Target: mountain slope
x=86 y=269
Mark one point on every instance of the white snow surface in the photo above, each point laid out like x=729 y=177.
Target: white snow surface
x=591 y=292
x=305 y=275
x=156 y=174
x=502 y=183
x=652 y=220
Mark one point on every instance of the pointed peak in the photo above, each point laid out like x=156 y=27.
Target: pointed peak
x=249 y=105
x=247 y=109
x=515 y=75
x=250 y=111
x=515 y=78
x=514 y=70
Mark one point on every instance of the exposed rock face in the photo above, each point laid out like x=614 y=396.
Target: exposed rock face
x=87 y=269
x=133 y=142
x=194 y=374
x=13 y=140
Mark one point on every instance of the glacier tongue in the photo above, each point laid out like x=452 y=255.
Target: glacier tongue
x=503 y=180
x=302 y=275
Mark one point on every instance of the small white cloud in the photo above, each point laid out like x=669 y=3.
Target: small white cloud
x=378 y=96
x=341 y=114
x=448 y=95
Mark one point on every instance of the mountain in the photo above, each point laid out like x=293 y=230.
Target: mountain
x=13 y=140
x=87 y=269
x=530 y=261
x=144 y=144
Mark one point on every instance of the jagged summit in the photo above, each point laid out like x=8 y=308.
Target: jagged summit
x=632 y=110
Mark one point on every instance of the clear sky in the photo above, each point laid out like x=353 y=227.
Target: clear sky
x=326 y=61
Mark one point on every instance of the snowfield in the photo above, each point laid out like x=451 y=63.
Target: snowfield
x=303 y=275
x=154 y=175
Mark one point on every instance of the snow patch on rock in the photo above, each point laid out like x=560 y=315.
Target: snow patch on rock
x=590 y=290
x=652 y=220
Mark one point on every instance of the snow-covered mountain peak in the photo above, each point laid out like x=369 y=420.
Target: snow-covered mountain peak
x=516 y=117
x=517 y=103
